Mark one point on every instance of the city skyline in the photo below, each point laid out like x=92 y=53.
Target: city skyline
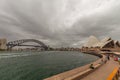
x=59 y=22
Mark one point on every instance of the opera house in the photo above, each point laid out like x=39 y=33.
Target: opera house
x=107 y=42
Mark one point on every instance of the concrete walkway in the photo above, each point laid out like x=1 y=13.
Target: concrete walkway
x=103 y=72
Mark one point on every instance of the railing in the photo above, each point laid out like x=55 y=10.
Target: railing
x=114 y=75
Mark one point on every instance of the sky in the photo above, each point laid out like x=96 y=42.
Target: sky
x=59 y=23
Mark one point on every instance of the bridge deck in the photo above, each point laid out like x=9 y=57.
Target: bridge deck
x=103 y=72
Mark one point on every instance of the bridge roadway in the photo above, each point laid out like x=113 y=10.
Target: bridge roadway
x=103 y=72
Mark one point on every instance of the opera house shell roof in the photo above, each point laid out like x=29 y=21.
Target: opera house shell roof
x=104 y=43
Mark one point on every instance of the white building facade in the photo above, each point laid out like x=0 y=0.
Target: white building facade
x=3 y=43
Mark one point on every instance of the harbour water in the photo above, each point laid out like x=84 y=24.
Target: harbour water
x=39 y=65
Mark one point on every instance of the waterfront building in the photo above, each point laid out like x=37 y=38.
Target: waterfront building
x=107 y=42
x=3 y=43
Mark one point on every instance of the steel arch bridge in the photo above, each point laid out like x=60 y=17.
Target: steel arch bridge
x=12 y=44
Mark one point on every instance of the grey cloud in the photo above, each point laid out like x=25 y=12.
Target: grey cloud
x=48 y=21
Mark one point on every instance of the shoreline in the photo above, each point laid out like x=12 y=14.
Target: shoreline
x=67 y=75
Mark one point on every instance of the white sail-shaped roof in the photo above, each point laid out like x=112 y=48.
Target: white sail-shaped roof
x=94 y=42
x=105 y=39
x=117 y=44
x=91 y=41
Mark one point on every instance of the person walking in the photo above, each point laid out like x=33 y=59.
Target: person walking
x=108 y=57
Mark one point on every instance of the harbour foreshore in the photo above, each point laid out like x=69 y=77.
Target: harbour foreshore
x=79 y=72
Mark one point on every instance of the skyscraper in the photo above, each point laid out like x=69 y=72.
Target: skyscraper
x=3 y=43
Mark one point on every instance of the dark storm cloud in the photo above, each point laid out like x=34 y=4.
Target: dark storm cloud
x=59 y=22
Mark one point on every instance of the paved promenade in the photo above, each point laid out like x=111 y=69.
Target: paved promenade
x=103 y=72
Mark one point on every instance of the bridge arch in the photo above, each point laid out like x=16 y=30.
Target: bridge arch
x=12 y=44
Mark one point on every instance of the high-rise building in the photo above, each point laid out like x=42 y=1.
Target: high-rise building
x=3 y=43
